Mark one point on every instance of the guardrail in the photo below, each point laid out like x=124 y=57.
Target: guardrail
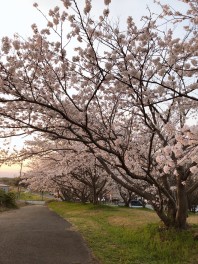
x=35 y=202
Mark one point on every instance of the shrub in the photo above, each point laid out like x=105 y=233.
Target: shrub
x=7 y=199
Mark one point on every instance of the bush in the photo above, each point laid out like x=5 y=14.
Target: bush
x=7 y=199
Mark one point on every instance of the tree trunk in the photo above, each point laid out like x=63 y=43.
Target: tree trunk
x=171 y=213
x=173 y=217
x=182 y=207
x=95 y=200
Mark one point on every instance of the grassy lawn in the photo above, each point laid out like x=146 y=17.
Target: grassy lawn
x=129 y=236
x=30 y=196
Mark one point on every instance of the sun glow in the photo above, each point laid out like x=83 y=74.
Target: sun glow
x=13 y=170
x=10 y=171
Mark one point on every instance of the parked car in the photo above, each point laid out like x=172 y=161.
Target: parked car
x=136 y=204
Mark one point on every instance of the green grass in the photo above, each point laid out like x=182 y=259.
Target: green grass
x=129 y=236
x=29 y=196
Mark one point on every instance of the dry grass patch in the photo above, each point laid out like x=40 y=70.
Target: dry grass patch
x=134 y=218
x=120 y=221
x=84 y=224
x=193 y=219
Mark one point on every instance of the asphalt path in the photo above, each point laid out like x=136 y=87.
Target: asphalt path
x=36 y=235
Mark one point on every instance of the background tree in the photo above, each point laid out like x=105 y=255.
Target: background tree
x=127 y=195
x=71 y=171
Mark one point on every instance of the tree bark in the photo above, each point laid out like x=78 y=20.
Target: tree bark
x=182 y=207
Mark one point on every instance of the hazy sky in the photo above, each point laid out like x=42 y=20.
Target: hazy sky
x=17 y=16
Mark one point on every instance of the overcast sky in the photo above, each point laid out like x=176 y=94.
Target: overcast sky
x=17 y=16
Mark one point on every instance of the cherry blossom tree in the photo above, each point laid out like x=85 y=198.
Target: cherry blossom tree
x=39 y=178
x=127 y=95
x=127 y=195
x=71 y=172
x=192 y=198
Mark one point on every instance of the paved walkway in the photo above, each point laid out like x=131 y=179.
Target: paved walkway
x=35 y=235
